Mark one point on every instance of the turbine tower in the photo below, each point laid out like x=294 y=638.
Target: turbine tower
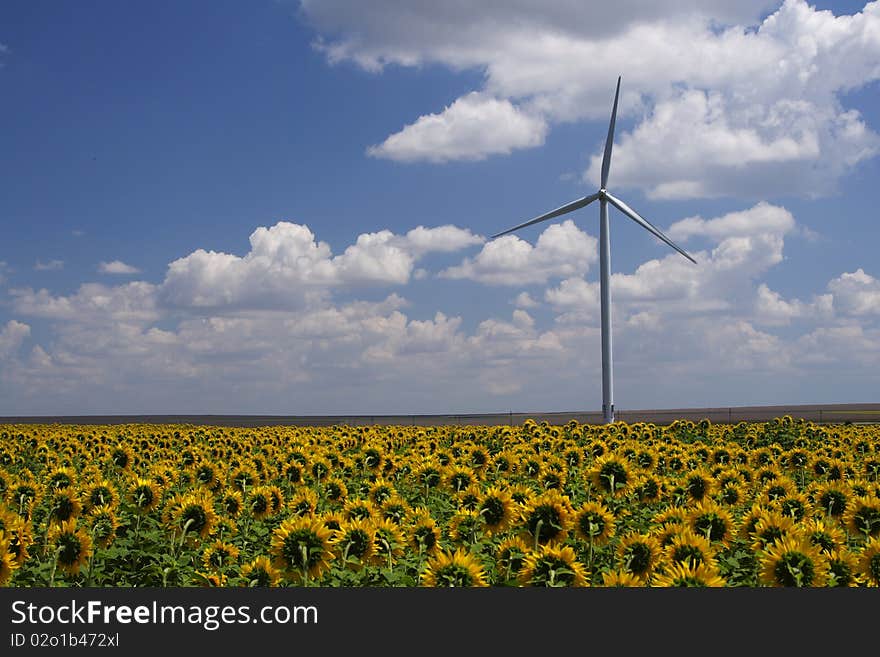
x=605 y=197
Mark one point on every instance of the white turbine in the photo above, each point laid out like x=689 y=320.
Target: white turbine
x=605 y=197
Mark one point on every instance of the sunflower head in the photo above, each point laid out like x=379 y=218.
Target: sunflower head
x=610 y=475
x=594 y=523
x=869 y=562
x=259 y=572
x=72 y=545
x=219 y=556
x=454 y=569
x=547 y=518
x=639 y=555
x=862 y=516
x=793 y=561
x=683 y=575
x=690 y=549
x=354 y=542
x=552 y=566
x=300 y=548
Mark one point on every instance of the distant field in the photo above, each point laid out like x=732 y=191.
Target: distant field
x=822 y=413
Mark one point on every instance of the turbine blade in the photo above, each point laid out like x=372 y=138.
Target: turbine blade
x=609 y=141
x=568 y=207
x=644 y=223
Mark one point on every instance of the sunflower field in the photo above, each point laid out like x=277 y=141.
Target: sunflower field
x=782 y=503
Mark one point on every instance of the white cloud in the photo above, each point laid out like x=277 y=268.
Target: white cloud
x=52 y=265
x=287 y=267
x=117 y=267
x=856 y=293
x=472 y=128
x=525 y=300
x=562 y=250
x=676 y=327
x=771 y=309
x=12 y=335
x=726 y=101
x=92 y=302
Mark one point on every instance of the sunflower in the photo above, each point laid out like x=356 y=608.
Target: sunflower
x=862 y=516
x=869 y=562
x=102 y=524
x=686 y=576
x=259 y=502
x=18 y=535
x=300 y=548
x=72 y=546
x=219 y=555
x=495 y=507
x=429 y=476
x=354 y=542
x=794 y=505
x=769 y=528
x=639 y=554
x=380 y=490
x=395 y=509
x=101 y=493
x=358 y=509
x=689 y=548
x=824 y=534
x=698 y=484
x=510 y=556
x=335 y=490
x=521 y=493
x=7 y=561
x=423 y=532
x=145 y=495
x=621 y=579
x=779 y=488
x=304 y=502
x=210 y=580
x=648 y=487
x=60 y=478
x=259 y=572
x=63 y=505
x=552 y=565
x=459 y=477
x=610 y=474
x=454 y=569
x=546 y=518
x=244 y=477
x=594 y=523
x=793 y=561
x=711 y=521
x=22 y=496
x=191 y=514
x=231 y=502
x=389 y=542
x=842 y=568
x=749 y=521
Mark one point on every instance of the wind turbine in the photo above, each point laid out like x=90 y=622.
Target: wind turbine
x=605 y=197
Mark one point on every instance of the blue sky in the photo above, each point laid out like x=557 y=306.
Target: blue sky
x=283 y=207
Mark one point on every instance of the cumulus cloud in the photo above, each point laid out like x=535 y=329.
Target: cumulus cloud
x=727 y=100
x=117 y=267
x=92 y=302
x=472 y=128
x=562 y=250
x=287 y=267
x=676 y=326
x=856 y=293
x=12 y=335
